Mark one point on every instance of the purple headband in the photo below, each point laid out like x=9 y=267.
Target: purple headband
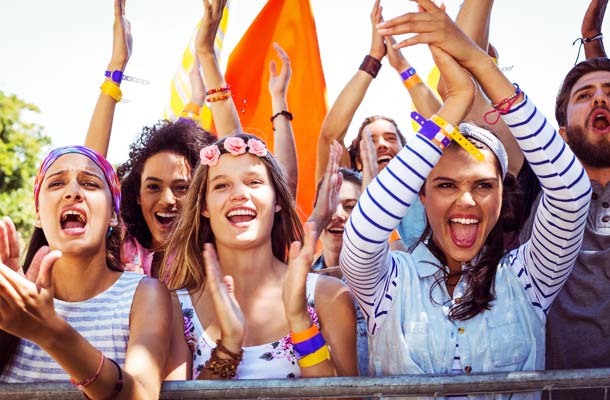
x=111 y=177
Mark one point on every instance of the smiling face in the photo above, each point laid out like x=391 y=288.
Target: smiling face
x=332 y=236
x=240 y=202
x=588 y=119
x=75 y=206
x=385 y=139
x=463 y=198
x=165 y=181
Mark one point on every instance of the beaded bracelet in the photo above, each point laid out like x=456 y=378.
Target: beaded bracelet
x=218 y=89
x=315 y=358
x=221 y=367
x=213 y=99
x=81 y=385
x=111 y=89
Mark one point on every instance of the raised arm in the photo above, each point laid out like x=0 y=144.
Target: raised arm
x=365 y=260
x=284 y=147
x=545 y=262
x=100 y=127
x=226 y=119
x=342 y=111
x=591 y=29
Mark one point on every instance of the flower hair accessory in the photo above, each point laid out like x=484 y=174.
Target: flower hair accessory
x=234 y=145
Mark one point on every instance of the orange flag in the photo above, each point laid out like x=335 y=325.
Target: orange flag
x=290 y=23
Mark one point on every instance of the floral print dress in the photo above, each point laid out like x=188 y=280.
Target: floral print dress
x=270 y=360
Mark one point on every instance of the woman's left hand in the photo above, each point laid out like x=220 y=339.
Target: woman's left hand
x=122 y=42
x=212 y=15
x=26 y=307
x=294 y=295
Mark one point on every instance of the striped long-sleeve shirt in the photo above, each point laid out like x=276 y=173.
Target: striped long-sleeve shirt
x=528 y=277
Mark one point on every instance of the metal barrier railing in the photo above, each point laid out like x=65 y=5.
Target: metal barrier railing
x=404 y=385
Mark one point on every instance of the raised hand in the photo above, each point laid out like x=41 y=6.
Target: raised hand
x=434 y=27
x=122 y=41
x=395 y=56
x=328 y=193
x=9 y=245
x=222 y=289
x=278 y=82
x=26 y=307
x=300 y=258
x=378 y=48
x=212 y=14
x=368 y=158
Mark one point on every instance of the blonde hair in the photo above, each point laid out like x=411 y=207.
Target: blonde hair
x=182 y=265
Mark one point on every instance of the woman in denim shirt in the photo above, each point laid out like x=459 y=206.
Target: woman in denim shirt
x=458 y=303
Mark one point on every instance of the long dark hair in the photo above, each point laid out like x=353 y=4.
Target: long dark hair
x=481 y=272
x=184 y=138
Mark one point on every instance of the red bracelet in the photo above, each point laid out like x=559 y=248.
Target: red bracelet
x=81 y=385
x=219 y=89
x=503 y=107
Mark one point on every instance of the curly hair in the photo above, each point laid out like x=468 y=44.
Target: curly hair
x=184 y=138
x=354 y=148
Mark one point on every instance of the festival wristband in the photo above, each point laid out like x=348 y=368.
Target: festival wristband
x=410 y=78
x=309 y=346
x=117 y=77
x=315 y=358
x=298 y=337
x=455 y=134
x=431 y=130
x=111 y=89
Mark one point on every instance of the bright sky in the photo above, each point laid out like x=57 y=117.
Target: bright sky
x=54 y=54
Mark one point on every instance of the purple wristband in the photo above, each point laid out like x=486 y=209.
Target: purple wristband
x=429 y=129
x=309 y=346
x=116 y=76
x=407 y=73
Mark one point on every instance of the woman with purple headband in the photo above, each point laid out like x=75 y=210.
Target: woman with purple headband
x=71 y=313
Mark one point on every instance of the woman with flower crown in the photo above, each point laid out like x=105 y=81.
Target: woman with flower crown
x=250 y=308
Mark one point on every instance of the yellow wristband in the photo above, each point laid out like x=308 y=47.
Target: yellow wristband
x=192 y=108
x=111 y=89
x=315 y=358
x=454 y=133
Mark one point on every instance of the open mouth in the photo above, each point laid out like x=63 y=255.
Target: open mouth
x=73 y=221
x=241 y=215
x=600 y=120
x=384 y=159
x=335 y=230
x=165 y=218
x=464 y=231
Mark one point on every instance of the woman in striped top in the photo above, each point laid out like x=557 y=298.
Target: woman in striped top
x=72 y=307
x=457 y=302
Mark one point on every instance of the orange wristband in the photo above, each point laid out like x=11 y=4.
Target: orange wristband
x=298 y=337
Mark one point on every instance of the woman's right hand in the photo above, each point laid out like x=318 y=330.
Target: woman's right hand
x=328 y=192
x=122 y=41
x=26 y=303
x=222 y=289
x=212 y=15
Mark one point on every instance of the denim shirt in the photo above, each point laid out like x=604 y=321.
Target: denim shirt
x=417 y=337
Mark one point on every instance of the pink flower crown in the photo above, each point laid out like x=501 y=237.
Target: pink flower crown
x=235 y=145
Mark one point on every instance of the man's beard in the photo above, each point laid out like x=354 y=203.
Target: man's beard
x=593 y=155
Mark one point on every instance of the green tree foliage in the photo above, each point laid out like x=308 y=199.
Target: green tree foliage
x=21 y=145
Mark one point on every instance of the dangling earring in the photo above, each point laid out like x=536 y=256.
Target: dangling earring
x=108 y=232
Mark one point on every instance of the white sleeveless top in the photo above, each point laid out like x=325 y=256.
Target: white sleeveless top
x=102 y=320
x=270 y=360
